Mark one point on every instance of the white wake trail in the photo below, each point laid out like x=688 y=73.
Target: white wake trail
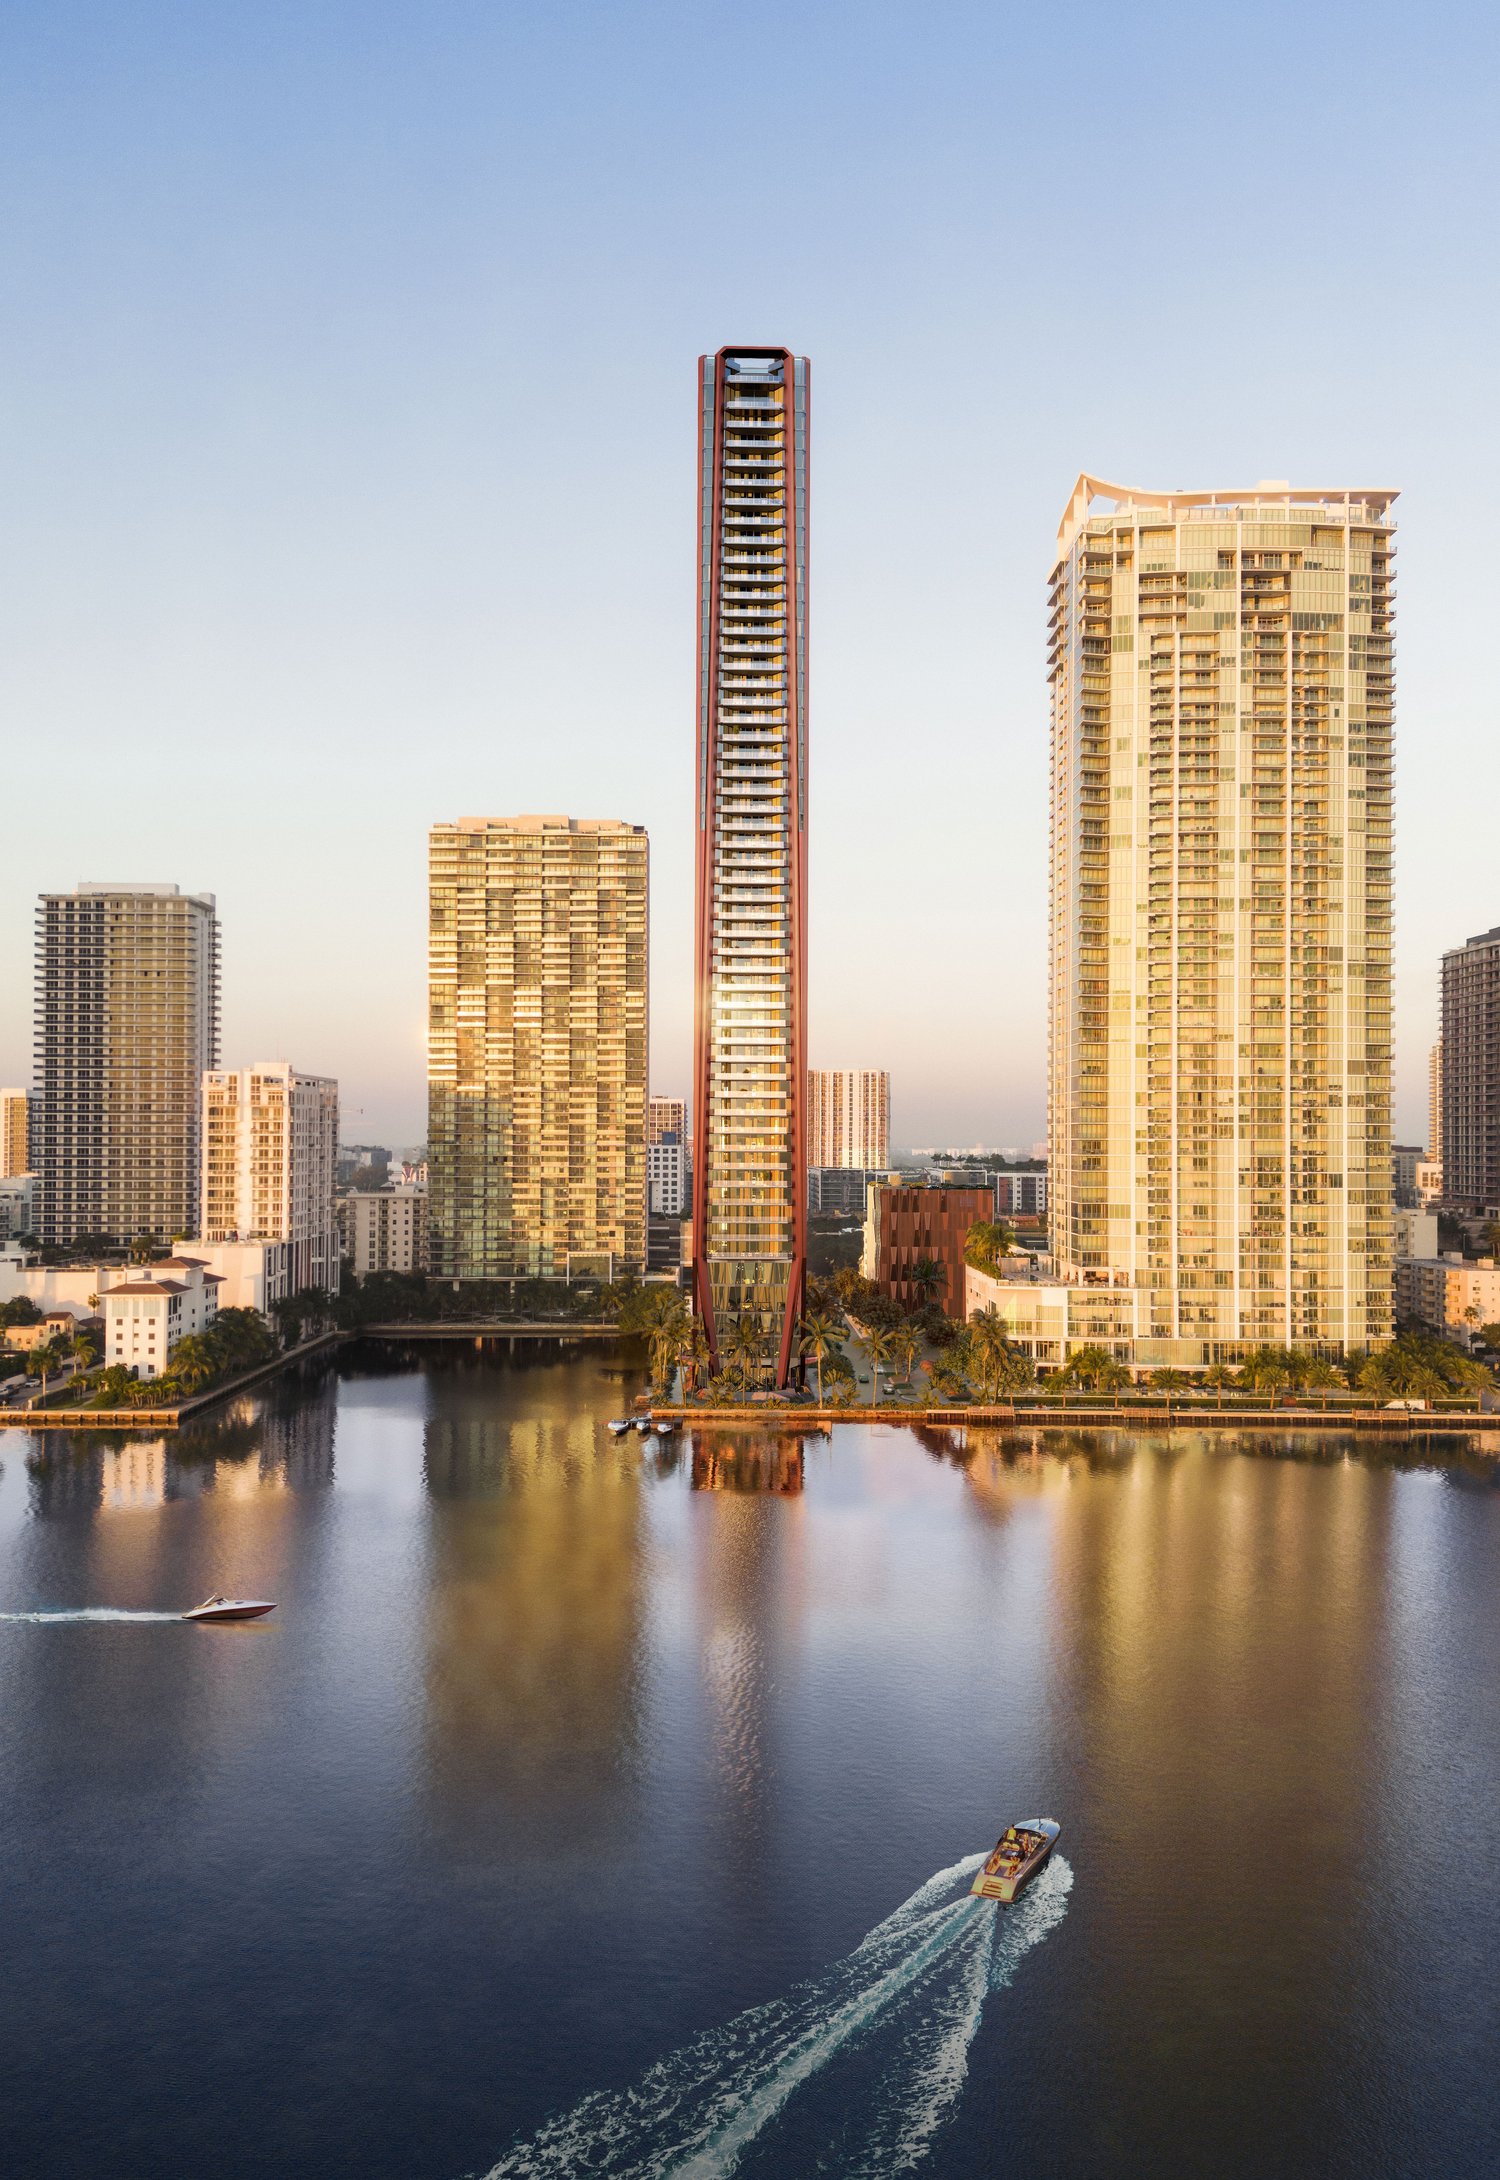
x=86 y=1612
x=920 y=1977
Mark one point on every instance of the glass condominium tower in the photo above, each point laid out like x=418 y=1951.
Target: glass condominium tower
x=1220 y=1003
x=750 y=940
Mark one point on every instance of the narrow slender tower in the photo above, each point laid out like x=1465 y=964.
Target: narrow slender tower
x=750 y=937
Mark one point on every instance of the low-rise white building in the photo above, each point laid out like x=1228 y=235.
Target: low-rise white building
x=149 y=1308
x=384 y=1230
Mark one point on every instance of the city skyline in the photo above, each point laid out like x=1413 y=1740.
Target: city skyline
x=410 y=461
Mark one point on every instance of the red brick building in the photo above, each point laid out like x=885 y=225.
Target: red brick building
x=904 y=1225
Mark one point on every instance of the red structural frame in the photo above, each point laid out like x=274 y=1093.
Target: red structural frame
x=713 y=367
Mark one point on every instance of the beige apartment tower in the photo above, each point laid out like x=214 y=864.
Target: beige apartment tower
x=270 y=1146
x=849 y=1117
x=1220 y=1003
x=13 y=1133
x=537 y=1054
x=127 y=1022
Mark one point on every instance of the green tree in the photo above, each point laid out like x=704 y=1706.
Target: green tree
x=906 y=1345
x=878 y=1342
x=989 y=1243
x=746 y=1350
x=45 y=1361
x=818 y=1335
x=1093 y=1370
x=20 y=1310
x=929 y=1278
x=994 y=1364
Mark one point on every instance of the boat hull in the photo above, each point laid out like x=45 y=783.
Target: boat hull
x=240 y=1609
x=1006 y=1887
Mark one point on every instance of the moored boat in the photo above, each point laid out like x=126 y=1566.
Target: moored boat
x=1019 y=1853
x=643 y=1424
x=618 y=1425
x=231 y=1608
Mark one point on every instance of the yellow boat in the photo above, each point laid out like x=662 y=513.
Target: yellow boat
x=1018 y=1855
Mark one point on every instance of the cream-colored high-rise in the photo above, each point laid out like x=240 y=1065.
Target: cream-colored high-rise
x=1220 y=1090
x=537 y=1052
x=270 y=1148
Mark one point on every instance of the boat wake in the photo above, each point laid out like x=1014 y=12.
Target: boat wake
x=87 y=1612
x=915 y=1987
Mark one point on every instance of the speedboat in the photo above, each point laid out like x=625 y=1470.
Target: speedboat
x=1019 y=1854
x=643 y=1424
x=230 y=1608
x=618 y=1426
x=665 y=1429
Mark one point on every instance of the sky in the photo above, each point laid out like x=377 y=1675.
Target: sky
x=347 y=411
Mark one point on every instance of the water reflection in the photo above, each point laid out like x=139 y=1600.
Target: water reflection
x=534 y=1609
x=725 y=1461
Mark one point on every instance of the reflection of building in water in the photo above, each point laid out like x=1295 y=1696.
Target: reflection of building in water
x=724 y=1463
x=535 y=1611
x=134 y=1475
x=747 y=1538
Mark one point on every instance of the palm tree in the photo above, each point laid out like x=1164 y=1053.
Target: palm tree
x=906 y=1343
x=929 y=1278
x=1095 y=1369
x=692 y=1353
x=47 y=1358
x=818 y=1336
x=879 y=1342
x=745 y=1347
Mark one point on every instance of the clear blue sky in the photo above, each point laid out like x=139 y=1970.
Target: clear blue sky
x=347 y=430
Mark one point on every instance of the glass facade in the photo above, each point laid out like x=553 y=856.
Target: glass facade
x=1220 y=1076
x=537 y=1061
x=750 y=1189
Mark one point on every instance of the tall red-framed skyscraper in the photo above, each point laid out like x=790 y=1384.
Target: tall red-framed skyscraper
x=750 y=1011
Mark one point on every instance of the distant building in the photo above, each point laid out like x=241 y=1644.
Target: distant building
x=1405 y=1159
x=13 y=1132
x=1471 y=1073
x=537 y=966
x=149 y=1308
x=1451 y=1296
x=270 y=1140
x=666 y=1116
x=1416 y=1233
x=666 y=1177
x=1429 y=1182
x=356 y=1158
x=384 y=1230
x=17 y=1205
x=904 y=1226
x=1021 y=1195
x=1435 y=1105
x=127 y=1023
x=849 y=1118
x=837 y=1191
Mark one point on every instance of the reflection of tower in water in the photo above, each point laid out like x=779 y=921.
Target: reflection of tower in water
x=534 y=1628
x=747 y=1537
x=724 y=1461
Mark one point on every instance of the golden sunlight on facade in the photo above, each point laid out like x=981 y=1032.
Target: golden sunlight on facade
x=1220 y=999
x=537 y=1057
